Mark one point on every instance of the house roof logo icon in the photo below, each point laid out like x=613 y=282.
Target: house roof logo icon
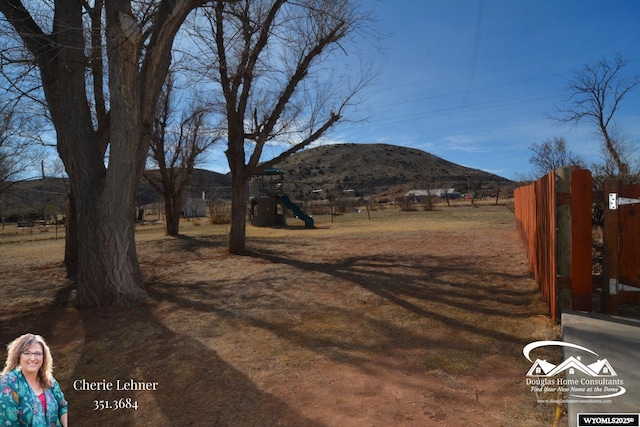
x=596 y=380
x=543 y=368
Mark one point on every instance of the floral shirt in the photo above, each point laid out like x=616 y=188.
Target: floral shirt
x=19 y=405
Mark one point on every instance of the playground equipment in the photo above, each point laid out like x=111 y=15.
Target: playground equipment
x=268 y=200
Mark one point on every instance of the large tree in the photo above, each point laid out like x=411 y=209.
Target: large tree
x=276 y=67
x=175 y=149
x=596 y=94
x=101 y=65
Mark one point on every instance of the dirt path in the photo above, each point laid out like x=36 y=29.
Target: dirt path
x=410 y=319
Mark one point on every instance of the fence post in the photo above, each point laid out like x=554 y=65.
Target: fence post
x=610 y=250
x=581 y=240
x=563 y=236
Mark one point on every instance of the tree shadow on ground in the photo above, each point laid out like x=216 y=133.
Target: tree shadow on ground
x=429 y=289
x=195 y=386
x=442 y=280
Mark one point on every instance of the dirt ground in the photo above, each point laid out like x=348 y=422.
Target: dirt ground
x=406 y=319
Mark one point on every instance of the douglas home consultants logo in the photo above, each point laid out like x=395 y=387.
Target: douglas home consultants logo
x=585 y=376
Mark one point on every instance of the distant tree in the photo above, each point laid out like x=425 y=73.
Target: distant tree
x=268 y=57
x=597 y=92
x=431 y=199
x=552 y=154
x=9 y=159
x=14 y=151
x=174 y=150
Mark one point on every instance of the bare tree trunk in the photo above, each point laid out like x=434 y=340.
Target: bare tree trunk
x=108 y=269
x=104 y=197
x=102 y=232
x=172 y=216
x=71 y=240
x=613 y=150
x=238 y=216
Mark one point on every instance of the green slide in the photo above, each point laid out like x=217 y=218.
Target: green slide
x=286 y=202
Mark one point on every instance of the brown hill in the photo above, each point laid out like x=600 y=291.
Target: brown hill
x=382 y=169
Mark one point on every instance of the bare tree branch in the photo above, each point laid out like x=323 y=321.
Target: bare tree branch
x=596 y=94
x=552 y=154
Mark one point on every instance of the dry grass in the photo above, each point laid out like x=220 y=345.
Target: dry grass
x=409 y=319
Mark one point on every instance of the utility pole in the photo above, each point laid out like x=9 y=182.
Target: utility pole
x=44 y=196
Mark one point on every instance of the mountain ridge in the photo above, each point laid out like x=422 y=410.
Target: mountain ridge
x=375 y=170
x=384 y=169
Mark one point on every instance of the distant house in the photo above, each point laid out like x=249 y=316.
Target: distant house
x=195 y=208
x=421 y=194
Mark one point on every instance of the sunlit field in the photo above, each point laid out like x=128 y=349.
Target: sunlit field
x=375 y=318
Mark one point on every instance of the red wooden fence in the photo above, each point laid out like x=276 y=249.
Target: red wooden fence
x=536 y=225
x=554 y=221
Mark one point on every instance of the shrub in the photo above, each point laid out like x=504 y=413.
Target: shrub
x=429 y=203
x=219 y=211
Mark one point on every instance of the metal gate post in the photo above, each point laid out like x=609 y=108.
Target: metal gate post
x=610 y=251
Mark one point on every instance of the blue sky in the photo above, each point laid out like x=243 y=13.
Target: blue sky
x=475 y=81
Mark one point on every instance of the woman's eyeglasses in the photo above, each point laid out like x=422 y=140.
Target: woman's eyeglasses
x=32 y=353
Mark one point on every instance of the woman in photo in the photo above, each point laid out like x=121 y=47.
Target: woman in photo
x=29 y=395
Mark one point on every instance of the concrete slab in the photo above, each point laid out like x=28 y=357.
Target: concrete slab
x=616 y=341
